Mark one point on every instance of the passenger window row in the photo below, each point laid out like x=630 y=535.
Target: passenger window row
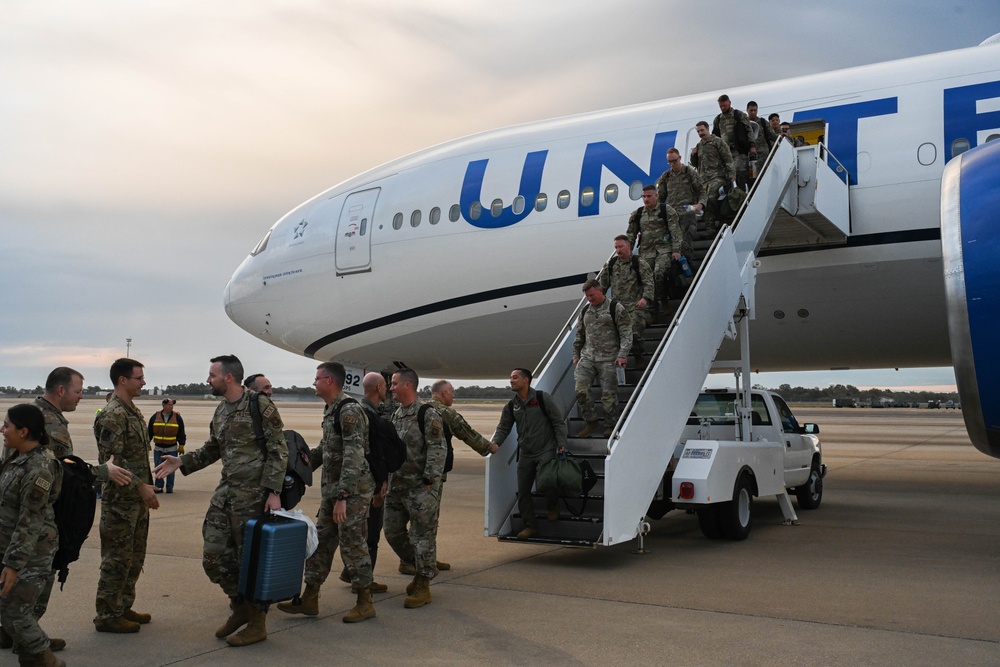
x=496 y=206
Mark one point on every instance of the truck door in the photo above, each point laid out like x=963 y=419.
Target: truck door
x=798 y=452
x=353 y=248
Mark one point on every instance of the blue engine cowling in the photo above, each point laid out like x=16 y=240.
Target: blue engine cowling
x=970 y=245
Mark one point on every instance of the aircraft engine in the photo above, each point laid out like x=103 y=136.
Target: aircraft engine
x=970 y=218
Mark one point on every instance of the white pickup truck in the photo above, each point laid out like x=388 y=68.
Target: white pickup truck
x=717 y=470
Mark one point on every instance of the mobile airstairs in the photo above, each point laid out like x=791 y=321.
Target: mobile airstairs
x=799 y=199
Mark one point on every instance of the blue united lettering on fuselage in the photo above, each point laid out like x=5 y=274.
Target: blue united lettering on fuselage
x=529 y=189
x=961 y=120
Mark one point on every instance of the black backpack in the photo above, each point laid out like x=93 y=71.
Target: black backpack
x=449 y=459
x=634 y=261
x=386 y=452
x=74 y=509
x=298 y=470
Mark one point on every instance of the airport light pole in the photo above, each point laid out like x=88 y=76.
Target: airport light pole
x=128 y=347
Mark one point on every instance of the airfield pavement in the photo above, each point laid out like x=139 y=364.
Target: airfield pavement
x=899 y=566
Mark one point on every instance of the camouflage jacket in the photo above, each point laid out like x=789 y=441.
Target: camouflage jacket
x=121 y=430
x=628 y=284
x=724 y=127
x=29 y=485
x=57 y=426
x=247 y=469
x=460 y=428
x=345 y=468
x=764 y=140
x=598 y=338
x=658 y=233
x=679 y=188
x=715 y=162
x=425 y=452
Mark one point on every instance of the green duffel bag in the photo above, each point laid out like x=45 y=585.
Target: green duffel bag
x=561 y=476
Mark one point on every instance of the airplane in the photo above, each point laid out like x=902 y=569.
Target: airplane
x=464 y=260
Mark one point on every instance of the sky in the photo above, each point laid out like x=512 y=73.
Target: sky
x=145 y=147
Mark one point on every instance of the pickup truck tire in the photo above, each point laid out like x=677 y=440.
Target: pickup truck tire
x=736 y=515
x=810 y=494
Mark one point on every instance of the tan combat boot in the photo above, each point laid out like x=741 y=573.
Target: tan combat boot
x=256 y=630
x=407 y=568
x=363 y=609
x=378 y=588
x=118 y=625
x=237 y=619
x=56 y=644
x=307 y=604
x=135 y=617
x=45 y=659
x=441 y=565
x=421 y=594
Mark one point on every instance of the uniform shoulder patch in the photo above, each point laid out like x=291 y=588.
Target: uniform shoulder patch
x=270 y=410
x=43 y=483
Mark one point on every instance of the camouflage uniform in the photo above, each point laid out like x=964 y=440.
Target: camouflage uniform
x=717 y=170
x=248 y=476
x=659 y=238
x=763 y=141
x=345 y=475
x=409 y=499
x=627 y=287
x=120 y=430
x=725 y=128
x=679 y=189
x=29 y=485
x=539 y=437
x=597 y=344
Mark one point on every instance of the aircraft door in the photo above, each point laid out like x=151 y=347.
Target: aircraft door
x=354 y=232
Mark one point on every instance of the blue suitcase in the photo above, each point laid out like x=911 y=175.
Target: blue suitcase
x=274 y=555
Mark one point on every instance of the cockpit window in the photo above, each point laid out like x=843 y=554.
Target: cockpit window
x=261 y=245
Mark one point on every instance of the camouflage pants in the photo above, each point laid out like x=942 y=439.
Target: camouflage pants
x=42 y=604
x=351 y=536
x=586 y=371
x=418 y=506
x=712 y=207
x=689 y=225
x=741 y=162
x=659 y=258
x=222 y=532
x=638 y=316
x=124 y=529
x=17 y=610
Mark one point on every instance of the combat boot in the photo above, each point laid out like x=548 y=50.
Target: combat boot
x=45 y=659
x=412 y=586
x=421 y=594
x=136 y=617
x=378 y=588
x=237 y=619
x=118 y=625
x=307 y=604
x=588 y=429
x=363 y=609
x=256 y=630
x=56 y=644
x=441 y=565
x=407 y=568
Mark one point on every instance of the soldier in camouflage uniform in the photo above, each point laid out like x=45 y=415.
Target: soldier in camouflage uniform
x=29 y=484
x=442 y=398
x=415 y=489
x=733 y=126
x=716 y=168
x=347 y=490
x=249 y=488
x=678 y=187
x=763 y=138
x=657 y=228
x=63 y=392
x=631 y=281
x=120 y=430
x=603 y=338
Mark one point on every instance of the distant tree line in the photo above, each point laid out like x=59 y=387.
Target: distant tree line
x=817 y=395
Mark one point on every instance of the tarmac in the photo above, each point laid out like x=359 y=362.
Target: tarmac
x=899 y=566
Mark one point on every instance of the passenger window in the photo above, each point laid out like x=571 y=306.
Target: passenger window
x=562 y=201
x=587 y=196
x=959 y=146
x=611 y=193
x=397 y=221
x=518 y=206
x=364 y=227
x=541 y=201
x=435 y=216
x=496 y=208
x=992 y=137
x=455 y=213
x=635 y=191
x=475 y=211
x=415 y=218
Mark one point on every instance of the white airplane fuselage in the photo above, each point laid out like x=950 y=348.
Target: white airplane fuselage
x=394 y=266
